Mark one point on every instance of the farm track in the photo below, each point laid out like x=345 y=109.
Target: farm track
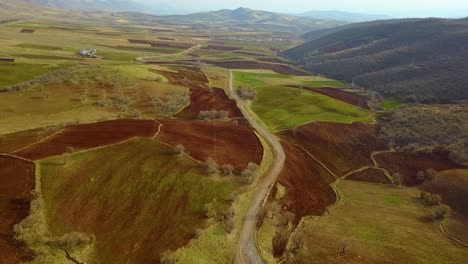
x=246 y=249
x=184 y=52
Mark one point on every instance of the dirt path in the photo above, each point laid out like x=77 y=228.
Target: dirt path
x=246 y=250
x=187 y=51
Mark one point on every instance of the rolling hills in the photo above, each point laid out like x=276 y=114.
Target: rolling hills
x=415 y=60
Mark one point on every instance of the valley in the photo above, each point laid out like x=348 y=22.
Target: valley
x=209 y=138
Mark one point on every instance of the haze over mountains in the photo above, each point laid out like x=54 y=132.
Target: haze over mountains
x=343 y=16
x=416 y=60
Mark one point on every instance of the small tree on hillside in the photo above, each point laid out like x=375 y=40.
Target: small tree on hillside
x=227 y=169
x=431 y=174
x=430 y=199
x=179 y=149
x=248 y=173
x=212 y=166
x=441 y=212
x=396 y=178
x=167 y=257
x=344 y=246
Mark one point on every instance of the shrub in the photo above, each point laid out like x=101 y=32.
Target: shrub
x=229 y=220
x=213 y=115
x=209 y=210
x=441 y=212
x=430 y=199
x=212 y=166
x=179 y=149
x=227 y=169
x=248 y=174
x=344 y=246
x=247 y=93
x=167 y=257
x=431 y=174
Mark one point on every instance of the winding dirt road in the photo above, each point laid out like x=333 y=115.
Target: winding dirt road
x=246 y=250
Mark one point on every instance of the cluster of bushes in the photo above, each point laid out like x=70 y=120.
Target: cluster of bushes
x=170 y=104
x=247 y=93
x=440 y=211
x=428 y=128
x=213 y=115
x=247 y=175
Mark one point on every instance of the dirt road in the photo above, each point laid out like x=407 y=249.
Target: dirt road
x=184 y=52
x=246 y=250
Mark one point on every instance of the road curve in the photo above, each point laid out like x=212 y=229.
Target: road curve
x=246 y=249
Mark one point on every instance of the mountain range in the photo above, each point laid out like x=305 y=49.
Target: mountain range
x=414 y=60
x=343 y=16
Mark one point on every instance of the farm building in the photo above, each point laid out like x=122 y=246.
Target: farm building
x=88 y=53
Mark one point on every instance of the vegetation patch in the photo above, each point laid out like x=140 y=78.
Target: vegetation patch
x=21 y=72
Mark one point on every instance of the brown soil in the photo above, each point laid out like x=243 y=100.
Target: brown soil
x=408 y=164
x=87 y=136
x=161 y=38
x=307 y=183
x=17 y=178
x=250 y=54
x=138 y=41
x=275 y=60
x=341 y=147
x=161 y=30
x=372 y=175
x=222 y=48
x=223 y=141
x=164 y=44
x=308 y=190
x=347 y=97
x=214 y=99
x=15 y=141
x=279 y=68
x=7 y=60
x=27 y=30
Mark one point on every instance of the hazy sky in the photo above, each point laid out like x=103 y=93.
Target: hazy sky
x=396 y=8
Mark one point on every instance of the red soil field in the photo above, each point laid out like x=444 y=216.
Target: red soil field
x=341 y=147
x=279 y=68
x=221 y=48
x=225 y=142
x=17 y=178
x=408 y=164
x=347 y=97
x=308 y=190
x=15 y=141
x=87 y=136
x=372 y=175
x=205 y=99
x=307 y=183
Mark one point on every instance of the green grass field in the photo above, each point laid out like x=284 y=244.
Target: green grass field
x=257 y=78
x=283 y=108
x=384 y=224
x=137 y=197
x=12 y=73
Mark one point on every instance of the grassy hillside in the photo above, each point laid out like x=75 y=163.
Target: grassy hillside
x=414 y=60
x=374 y=239
x=136 y=197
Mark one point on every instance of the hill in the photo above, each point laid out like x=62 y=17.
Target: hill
x=92 y=5
x=415 y=60
x=343 y=16
x=244 y=18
